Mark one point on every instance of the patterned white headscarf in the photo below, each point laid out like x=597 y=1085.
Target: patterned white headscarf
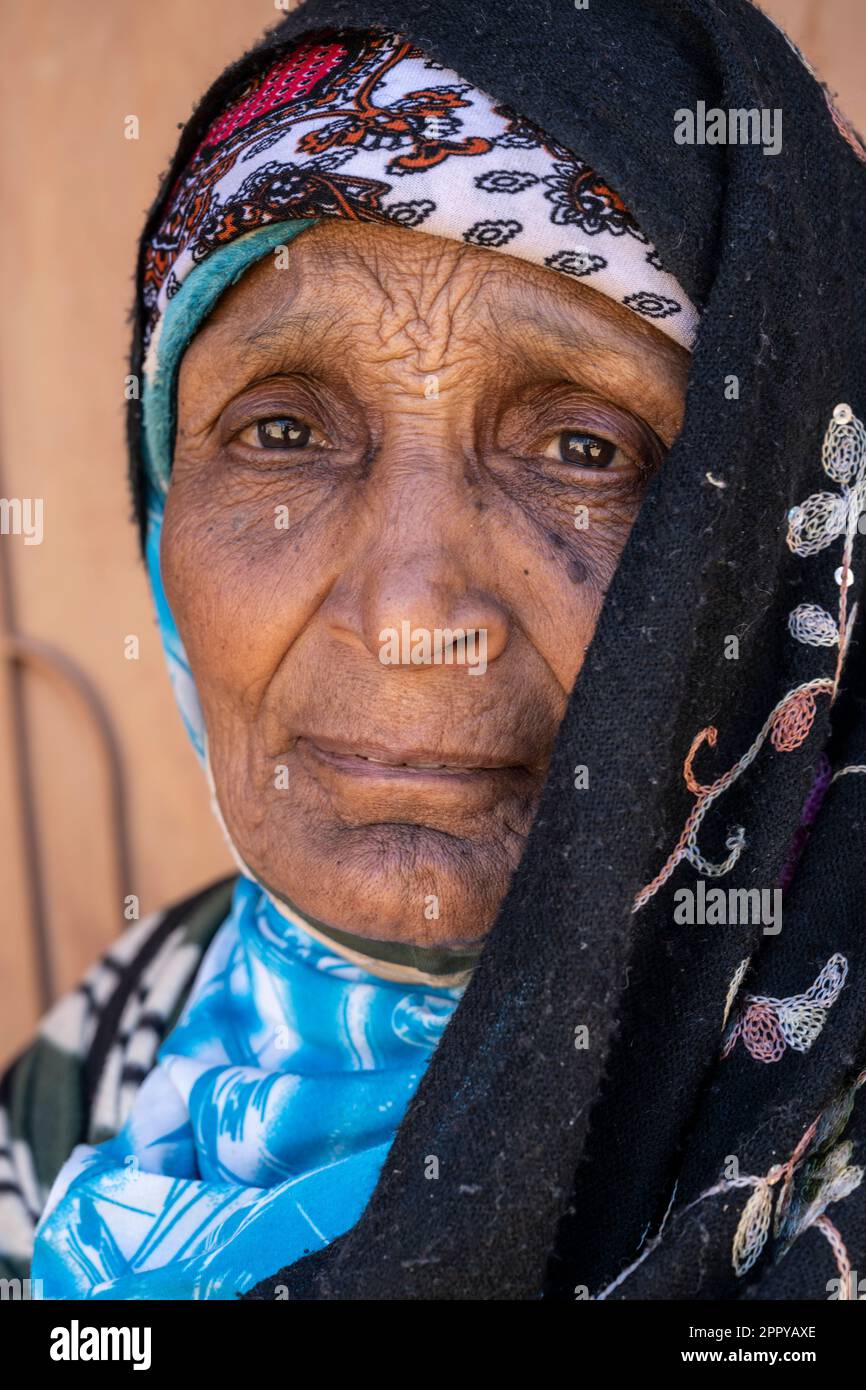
x=365 y=127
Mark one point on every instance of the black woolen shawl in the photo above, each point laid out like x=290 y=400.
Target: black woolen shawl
x=564 y=1167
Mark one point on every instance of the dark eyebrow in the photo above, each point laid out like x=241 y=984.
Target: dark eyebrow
x=279 y=325
x=566 y=330
x=532 y=337
x=577 y=325
x=295 y=335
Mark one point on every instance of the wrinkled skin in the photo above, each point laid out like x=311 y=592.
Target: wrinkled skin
x=393 y=427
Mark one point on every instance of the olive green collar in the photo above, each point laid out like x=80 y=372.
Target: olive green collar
x=441 y=965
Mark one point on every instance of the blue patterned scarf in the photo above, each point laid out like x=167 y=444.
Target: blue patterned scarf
x=260 y=1133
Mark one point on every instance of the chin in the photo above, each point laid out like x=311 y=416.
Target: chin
x=395 y=882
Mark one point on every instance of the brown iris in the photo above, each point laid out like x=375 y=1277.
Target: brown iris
x=283 y=433
x=586 y=450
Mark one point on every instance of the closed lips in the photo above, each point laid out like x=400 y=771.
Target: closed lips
x=353 y=759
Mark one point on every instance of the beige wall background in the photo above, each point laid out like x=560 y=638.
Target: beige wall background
x=74 y=195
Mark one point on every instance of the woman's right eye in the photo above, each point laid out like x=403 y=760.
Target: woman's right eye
x=281 y=432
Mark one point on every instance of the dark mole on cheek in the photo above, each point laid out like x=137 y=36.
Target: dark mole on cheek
x=575 y=568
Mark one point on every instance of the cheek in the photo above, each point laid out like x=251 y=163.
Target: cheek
x=570 y=609
x=241 y=582
x=564 y=549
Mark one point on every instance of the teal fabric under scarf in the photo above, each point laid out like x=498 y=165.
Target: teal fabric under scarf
x=262 y=1130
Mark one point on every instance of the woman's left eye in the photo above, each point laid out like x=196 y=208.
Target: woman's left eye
x=281 y=432
x=581 y=450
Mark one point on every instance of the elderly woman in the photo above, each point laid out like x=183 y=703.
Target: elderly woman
x=543 y=970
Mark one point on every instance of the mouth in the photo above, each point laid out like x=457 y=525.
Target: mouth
x=414 y=764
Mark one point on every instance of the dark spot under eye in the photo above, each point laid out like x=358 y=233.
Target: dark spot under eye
x=586 y=450
x=283 y=433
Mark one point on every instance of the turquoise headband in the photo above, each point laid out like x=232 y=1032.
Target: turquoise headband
x=183 y=317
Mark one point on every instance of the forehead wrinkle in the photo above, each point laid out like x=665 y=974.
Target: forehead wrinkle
x=423 y=304
x=261 y=314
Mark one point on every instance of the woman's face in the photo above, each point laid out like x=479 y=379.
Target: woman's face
x=391 y=439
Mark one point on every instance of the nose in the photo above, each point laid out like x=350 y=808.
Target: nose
x=419 y=590
x=423 y=611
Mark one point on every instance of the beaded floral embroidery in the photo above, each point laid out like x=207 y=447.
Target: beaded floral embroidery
x=768 y=1026
x=822 y=519
x=818 y=1173
x=814 y=524
x=734 y=988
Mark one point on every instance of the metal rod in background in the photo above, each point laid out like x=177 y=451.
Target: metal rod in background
x=18 y=651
